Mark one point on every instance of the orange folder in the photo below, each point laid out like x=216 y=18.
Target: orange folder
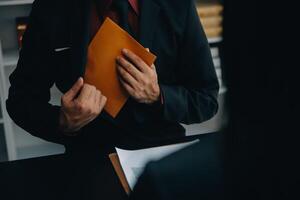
x=114 y=159
x=101 y=69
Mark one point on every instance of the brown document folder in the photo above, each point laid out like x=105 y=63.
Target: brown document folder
x=114 y=158
x=101 y=63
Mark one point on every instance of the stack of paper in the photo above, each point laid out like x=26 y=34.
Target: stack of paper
x=134 y=162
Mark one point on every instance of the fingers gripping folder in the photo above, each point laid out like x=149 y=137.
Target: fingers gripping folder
x=101 y=69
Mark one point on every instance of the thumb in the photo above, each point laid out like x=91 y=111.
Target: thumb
x=72 y=93
x=152 y=66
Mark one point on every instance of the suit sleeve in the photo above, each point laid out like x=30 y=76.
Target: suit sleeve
x=194 y=98
x=148 y=187
x=29 y=93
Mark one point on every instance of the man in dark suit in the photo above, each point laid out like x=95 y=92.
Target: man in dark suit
x=180 y=88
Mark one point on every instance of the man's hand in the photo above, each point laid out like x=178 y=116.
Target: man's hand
x=138 y=79
x=79 y=106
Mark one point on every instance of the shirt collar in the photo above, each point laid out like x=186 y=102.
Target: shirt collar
x=134 y=4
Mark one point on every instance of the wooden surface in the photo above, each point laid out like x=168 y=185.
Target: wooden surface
x=114 y=158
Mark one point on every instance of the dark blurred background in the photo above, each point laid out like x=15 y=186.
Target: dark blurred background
x=262 y=136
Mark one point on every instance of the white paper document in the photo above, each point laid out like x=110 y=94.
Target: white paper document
x=134 y=162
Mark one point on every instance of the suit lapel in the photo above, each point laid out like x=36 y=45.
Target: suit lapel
x=148 y=20
x=80 y=29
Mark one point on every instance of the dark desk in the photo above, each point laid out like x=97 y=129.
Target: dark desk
x=61 y=177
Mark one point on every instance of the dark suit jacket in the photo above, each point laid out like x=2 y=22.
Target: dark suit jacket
x=172 y=31
x=194 y=173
